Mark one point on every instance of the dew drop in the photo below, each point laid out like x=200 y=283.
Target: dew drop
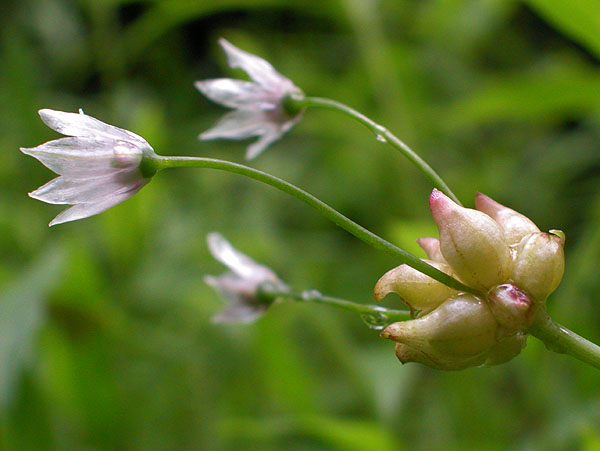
x=310 y=294
x=376 y=320
x=381 y=138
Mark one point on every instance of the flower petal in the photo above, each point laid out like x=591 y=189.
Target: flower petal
x=239 y=124
x=239 y=263
x=82 y=125
x=270 y=136
x=81 y=211
x=236 y=93
x=83 y=157
x=67 y=190
x=240 y=294
x=257 y=68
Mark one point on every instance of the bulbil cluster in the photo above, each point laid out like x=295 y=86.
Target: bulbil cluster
x=511 y=266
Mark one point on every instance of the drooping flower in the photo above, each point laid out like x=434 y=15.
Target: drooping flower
x=240 y=286
x=258 y=104
x=498 y=252
x=98 y=164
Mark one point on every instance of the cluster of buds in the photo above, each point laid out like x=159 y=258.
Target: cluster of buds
x=510 y=265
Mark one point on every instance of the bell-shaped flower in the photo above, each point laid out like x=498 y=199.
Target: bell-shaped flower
x=98 y=164
x=240 y=286
x=258 y=104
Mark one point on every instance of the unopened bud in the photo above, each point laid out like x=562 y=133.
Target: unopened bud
x=539 y=264
x=431 y=246
x=506 y=349
x=408 y=354
x=460 y=329
x=471 y=242
x=512 y=307
x=417 y=290
x=514 y=225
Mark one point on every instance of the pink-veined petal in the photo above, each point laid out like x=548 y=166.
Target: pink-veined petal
x=81 y=211
x=66 y=190
x=82 y=125
x=81 y=157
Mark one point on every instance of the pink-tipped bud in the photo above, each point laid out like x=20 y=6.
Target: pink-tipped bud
x=471 y=242
x=539 y=264
x=512 y=307
x=460 y=329
x=514 y=225
x=417 y=290
x=431 y=246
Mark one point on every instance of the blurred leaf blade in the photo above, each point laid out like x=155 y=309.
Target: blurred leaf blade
x=21 y=315
x=579 y=19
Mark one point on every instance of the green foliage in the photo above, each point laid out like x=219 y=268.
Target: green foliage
x=498 y=96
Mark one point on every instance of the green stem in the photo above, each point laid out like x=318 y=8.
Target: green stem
x=157 y=162
x=381 y=315
x=298 y=103
x=560 y=339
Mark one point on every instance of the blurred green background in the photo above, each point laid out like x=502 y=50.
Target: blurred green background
x=105 y=333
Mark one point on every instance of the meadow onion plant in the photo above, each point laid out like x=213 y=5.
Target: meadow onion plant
x=473 y=302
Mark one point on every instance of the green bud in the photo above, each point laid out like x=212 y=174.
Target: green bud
x=461 y=329
x=539 y=264
x=417 y=290
x=471 y=242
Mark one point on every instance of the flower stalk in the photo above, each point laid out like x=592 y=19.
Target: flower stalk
x=270 y=292
x=559 y=339
x=298 y=102
x=159 y=162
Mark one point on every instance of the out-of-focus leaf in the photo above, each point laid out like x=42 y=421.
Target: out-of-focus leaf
x=580 y=19
x=21 y=313
x=537 y=95
x=348 y=434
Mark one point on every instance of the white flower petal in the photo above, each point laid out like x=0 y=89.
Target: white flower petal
x=238 y=124
x=81 y=211
x=257 y=68
x=79 y=157
x=82 y=125
x=239 y=263
x=239 y=313
x=67 y=190
x=236 y=93
x=240 y=293
x=255 y=149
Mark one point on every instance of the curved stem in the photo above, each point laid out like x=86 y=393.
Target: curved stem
x=559 y=339
x=158 y=162
x=382 y=315
x=382 y=133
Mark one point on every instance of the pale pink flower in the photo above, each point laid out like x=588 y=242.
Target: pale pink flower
x=98 y=164
x=258 y=104
x=240 y=286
